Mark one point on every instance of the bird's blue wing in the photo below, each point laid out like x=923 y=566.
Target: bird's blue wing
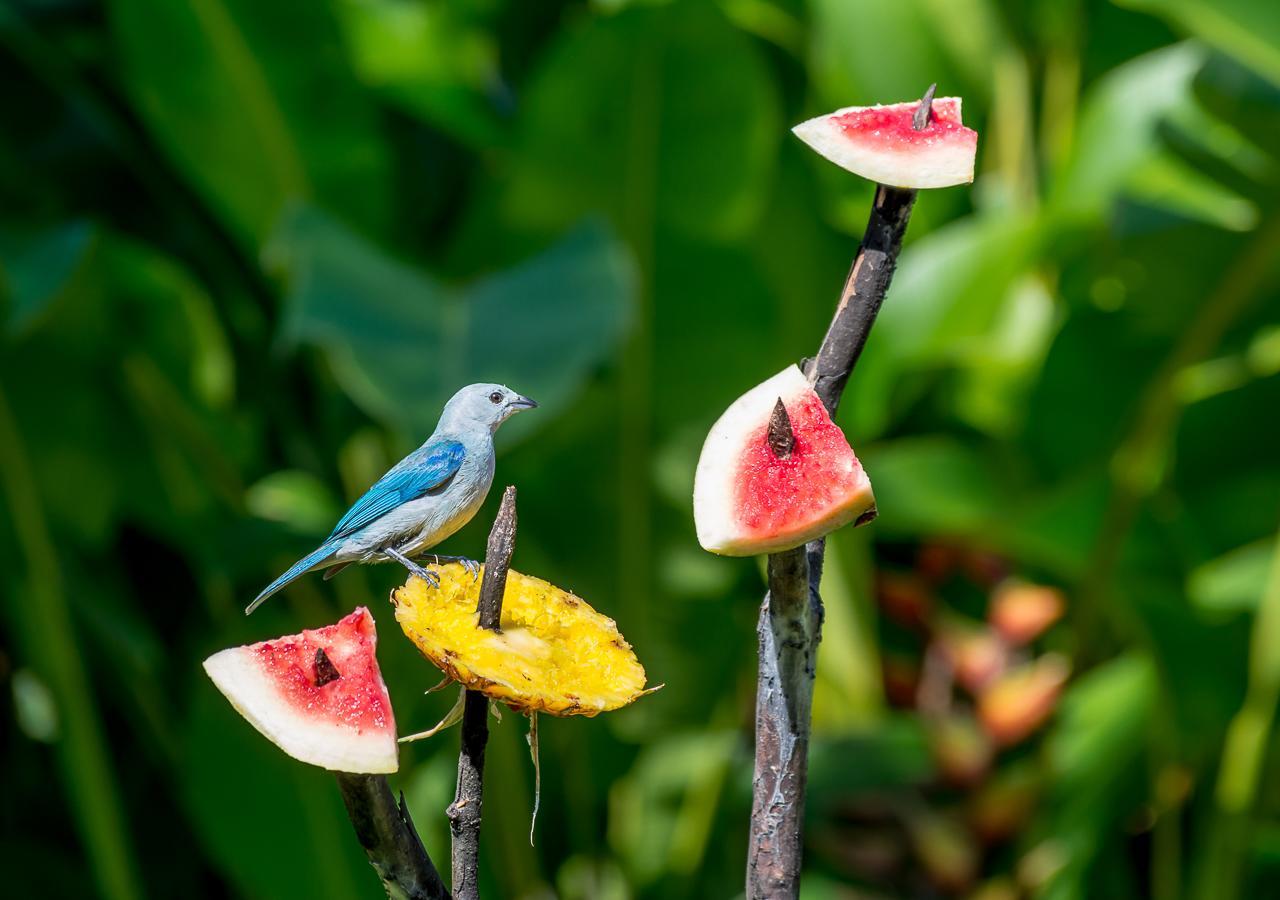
x=417 y=475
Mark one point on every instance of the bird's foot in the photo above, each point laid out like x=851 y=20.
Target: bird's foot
x=426 y=575
x=469 y=564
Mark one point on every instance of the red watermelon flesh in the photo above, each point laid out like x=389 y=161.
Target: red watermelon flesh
x=881 y=143
x=748 y=499
x=318 y=695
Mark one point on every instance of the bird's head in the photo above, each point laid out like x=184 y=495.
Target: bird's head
x=485 y=405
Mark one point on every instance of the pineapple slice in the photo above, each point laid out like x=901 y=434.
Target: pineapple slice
x=554 y=654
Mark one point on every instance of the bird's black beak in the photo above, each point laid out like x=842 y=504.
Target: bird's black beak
x=524 y=403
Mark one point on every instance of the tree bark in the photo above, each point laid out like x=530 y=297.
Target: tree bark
x=387 y=834
x=468 y=802
x=790 y=625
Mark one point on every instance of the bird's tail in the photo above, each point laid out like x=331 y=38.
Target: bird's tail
x=319 y=555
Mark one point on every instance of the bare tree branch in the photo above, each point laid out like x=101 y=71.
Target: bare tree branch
x=468 y=802
x=387 y=834
x=790 y=625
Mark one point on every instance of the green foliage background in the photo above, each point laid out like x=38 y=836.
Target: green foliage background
x=247 y=249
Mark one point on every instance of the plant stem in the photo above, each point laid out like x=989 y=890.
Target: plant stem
x=386 y=832
x=1244 y=752
x=791 y=617
x=468 y=801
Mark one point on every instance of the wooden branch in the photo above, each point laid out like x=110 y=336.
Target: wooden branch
x=790 y=626
x=863 y=293
x=497 y=560
x=468 y=801
x=387 y=834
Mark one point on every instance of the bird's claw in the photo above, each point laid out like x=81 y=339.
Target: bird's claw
x=426 y=575
x=470 y=565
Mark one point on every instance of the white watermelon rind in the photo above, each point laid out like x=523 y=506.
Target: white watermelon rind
x=938 y=164
x=238 y=674
x=713 y=484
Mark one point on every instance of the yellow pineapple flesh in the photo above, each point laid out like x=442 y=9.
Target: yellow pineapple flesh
x=554 y=653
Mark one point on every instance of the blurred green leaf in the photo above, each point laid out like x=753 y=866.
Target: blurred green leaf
x=1237 y=96
x=150 y=151
x=250 y=101
x=401 y=342
x=949 y=293
x=661 y=812
x=275 y=826
x=42 y=629
x=610 y=123
x=996 y=370
x=1056 y=528
x=1233 y=582
x=893 y=754
x=36 y=266
x=294 y=498
x=581 y=878
x=34 y=707
x=1101 y=731
x=866 y=52
x=429 y=60
x=932 y=485
x=848 y=693
x=1246 y=29
x=1173 y=185
x=1116 y=134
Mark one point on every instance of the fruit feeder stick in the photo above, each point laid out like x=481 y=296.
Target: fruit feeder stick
x=386 y=832
x=790 y=626
x=464 y=812
x=319 y=696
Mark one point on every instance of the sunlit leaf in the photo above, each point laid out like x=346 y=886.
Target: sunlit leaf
x=34 y=707
x=1168 y=183
x=1245 y=29
x=1117 y=128
x=294 y=498
x=429 y=60
x=948 y=295
x=660 y=812
x=866 y=52
x=1233 y=582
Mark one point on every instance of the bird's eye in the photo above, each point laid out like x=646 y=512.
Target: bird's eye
x=495 y=397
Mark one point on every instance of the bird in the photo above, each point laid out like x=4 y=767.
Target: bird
x=422 y=499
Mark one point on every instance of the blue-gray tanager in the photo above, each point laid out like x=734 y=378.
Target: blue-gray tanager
x=424 y=498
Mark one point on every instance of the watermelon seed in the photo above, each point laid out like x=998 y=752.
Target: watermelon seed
x=326 y=671
x=782 y=439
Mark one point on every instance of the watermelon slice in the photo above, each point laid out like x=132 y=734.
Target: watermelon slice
x=318 y=695
x=749 y=498
x=882 y=144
